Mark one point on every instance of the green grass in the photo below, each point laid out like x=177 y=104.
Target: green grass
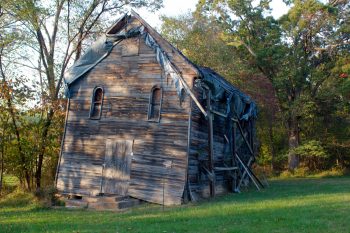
x=288 y=205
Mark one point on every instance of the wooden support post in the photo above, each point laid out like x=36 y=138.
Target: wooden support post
x=234 y=146
x=234 y=151
x=210 y=143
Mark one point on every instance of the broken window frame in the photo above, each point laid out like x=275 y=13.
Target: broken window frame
x=94 y=102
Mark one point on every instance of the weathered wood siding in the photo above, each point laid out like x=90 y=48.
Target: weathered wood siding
x=127 y=82
x=199 y=182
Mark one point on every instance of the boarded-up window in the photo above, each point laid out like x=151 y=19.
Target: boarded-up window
x=96 y=104
x=155 y=104
x=130 y=47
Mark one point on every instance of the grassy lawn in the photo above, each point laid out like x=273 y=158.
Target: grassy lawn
x=290 y=205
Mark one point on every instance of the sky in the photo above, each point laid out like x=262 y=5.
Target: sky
x=178 y=7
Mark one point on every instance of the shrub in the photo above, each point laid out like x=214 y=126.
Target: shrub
x=312 y=155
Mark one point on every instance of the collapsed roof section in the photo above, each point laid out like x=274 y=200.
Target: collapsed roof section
x=238 y=104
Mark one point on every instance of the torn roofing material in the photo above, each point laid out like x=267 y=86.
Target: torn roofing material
x=237 y=103
x=93 y=55
x=243 y=106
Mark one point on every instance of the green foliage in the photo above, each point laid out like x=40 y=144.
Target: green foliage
x=304 y=58
x=303 y=172
x=264 y=158
x=311 y=148
x=312 y=154
x=196 y=36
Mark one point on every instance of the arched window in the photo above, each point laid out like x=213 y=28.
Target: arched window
x=155 y=104
x=96 y=103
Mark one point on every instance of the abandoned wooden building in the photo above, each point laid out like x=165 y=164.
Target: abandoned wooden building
x=144 y=121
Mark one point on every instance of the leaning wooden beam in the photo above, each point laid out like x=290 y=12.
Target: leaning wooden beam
x=223 y=115
x=248 y=172
x=194 y=98
x=210 y=174
x=256 y=178
x=244 y=173
x=252 y=173
x=245 y=139
x=219 y=113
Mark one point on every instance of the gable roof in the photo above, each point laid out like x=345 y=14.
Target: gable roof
x=119 y=31
x=99 y=50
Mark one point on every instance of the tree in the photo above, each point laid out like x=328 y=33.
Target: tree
x=12 y=92
x=4 y=125
x=203 y=38
x=296 y=52
x=58 y=30
x=195 y=35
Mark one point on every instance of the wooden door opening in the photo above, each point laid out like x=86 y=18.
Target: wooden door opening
x=116 y=170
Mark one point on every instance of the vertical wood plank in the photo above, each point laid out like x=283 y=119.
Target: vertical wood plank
x=211 y=144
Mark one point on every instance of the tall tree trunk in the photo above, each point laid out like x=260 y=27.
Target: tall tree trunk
x=20 y=150
x=44 y=135
x=293 y=141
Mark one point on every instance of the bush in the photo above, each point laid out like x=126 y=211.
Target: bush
x=47 y=196
x=18 y=197
x=312 y=155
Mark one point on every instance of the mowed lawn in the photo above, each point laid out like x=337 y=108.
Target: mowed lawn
x=290 y=205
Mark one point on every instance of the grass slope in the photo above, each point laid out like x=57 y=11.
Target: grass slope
x=291 y=205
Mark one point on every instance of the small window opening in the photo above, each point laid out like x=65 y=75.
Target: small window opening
x=155 y=104
x=96 y=104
